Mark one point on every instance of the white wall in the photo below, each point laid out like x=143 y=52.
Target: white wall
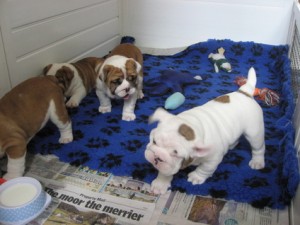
x=38 y=32
x=177 y=23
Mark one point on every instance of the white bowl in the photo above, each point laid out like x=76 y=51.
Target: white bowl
x=21 y=200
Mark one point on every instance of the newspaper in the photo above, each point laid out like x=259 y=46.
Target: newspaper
x=190 y=210
x=84 y=196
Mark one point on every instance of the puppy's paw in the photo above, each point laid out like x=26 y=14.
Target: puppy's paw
x=159 y=186
x=141 y=95
x=65 y=139
x=104 y=109
x=195 y=178
x=257 y=162
x=72 y=103
x=128 y=116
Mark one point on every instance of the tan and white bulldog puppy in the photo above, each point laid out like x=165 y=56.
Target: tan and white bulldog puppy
x=25 y=110
x=121 y=77
x=202 y=136
x=84 y=77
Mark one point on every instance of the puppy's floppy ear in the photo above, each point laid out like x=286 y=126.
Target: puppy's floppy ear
x=64 y=76
x=46 y=69
x=131 y=64
x=106 y=70
x=159 y=115
x=200 y=150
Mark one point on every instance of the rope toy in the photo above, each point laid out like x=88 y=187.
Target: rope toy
x=268 y=96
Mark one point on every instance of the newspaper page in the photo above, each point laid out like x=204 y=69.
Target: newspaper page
x=84 y=196
x=79 y=206
x=190 y=210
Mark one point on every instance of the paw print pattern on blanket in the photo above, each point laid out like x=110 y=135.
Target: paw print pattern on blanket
x=106 y=143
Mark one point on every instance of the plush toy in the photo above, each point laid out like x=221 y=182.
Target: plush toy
x=270 y=97
x=170 y=81
x=174 y=101
x=219 y=61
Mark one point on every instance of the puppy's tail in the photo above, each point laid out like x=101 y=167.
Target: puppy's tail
x=249 y=86
x=127 y=39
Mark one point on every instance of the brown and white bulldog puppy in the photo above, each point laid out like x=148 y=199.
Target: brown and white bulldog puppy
x=121 y=77
x=84 y=77
x=202 y=136
x=25 y=110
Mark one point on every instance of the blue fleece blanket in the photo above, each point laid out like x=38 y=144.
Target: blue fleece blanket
x=106 y=143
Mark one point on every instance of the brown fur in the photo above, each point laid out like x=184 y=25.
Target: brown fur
x=23 y=111
x=223 y=99
x=113 y=75
x=129 y=51
x=186 y=132
x=86 y=70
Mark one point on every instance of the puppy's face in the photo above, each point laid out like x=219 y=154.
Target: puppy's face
x=172 y=144
x=122 y=80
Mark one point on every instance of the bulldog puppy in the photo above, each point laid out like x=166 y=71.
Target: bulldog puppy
x=84 y=77
x=121 y=77
x=202 y=136
x=25 y=110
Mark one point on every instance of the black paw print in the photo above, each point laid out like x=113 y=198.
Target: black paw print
x=78 y=135
x=257 y=50
x=132 y=145
x=78 y=158
x=238 y=49
x=218 y=193
x=262 y=202
x=139 y=132
x=84 y=122
x=111 y=130
x=110 y=161
x=92 y=112
x=256 y=182
x=97 y=143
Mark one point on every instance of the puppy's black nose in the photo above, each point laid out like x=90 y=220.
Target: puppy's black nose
x=157 y=160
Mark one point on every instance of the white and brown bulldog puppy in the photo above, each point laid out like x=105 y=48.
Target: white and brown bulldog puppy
x=25 y=110
x=202 y=136
x=84 y=77
x=121 y=77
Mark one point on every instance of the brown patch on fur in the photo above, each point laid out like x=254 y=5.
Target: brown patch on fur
x=244 y=93
x=113 y=77
x=131 y=70
x=186 y=162
x=87 y=71
x=223 y=99
x=129 y=51
x=64 y=77
x=23 y=111
x=187 y=132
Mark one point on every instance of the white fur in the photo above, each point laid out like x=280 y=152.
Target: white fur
x=130 y=97
x=217 y=127
x=76 y=90
x=15 y=167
